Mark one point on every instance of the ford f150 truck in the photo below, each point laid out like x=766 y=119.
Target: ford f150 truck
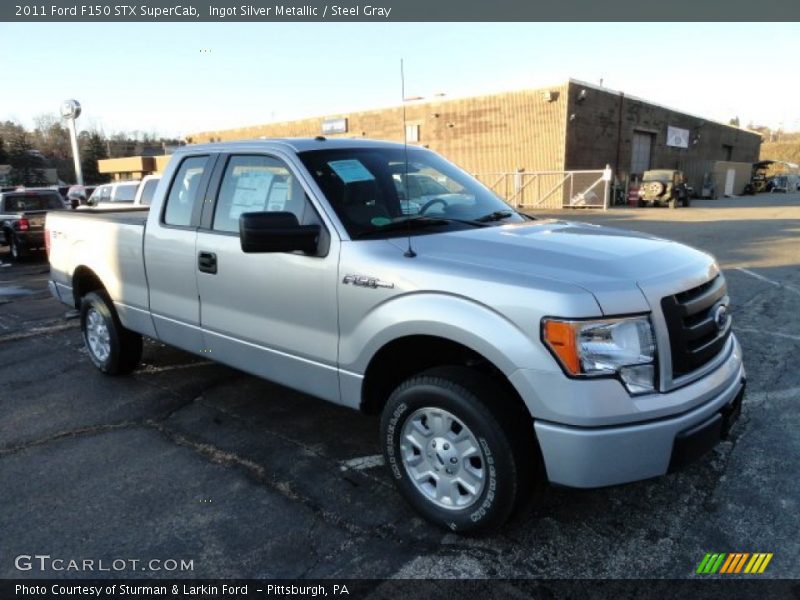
x=499 y=350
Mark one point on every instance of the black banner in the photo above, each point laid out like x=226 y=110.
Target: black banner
x=398 y=11
x=713 y=587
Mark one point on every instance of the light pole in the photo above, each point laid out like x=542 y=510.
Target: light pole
x=71 y=110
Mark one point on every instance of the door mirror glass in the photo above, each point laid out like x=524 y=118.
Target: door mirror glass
x=276 y=232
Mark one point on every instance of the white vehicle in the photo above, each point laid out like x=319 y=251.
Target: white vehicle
x=146 y=190
x=119 y=194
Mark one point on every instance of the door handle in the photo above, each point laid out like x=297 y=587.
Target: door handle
x=207 y=262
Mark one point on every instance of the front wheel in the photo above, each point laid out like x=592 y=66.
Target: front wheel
x=457 y=449
x=113 y=349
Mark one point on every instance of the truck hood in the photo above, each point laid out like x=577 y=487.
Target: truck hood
x=612 y=264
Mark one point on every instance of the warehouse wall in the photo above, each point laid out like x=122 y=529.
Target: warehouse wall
x=487 y=134
x=601 y=126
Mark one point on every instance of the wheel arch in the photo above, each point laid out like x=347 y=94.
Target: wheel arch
x=85 y=280
x=402 y=357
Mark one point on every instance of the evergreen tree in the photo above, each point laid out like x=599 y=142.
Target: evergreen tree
x=26 y=163
x=93 y=149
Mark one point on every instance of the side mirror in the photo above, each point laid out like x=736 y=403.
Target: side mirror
x=276 y=232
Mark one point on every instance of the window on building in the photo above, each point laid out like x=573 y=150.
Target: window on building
x=727 y=152
x=412 y=133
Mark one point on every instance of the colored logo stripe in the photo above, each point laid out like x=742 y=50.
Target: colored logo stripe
x=734 y=562
x=758 y=563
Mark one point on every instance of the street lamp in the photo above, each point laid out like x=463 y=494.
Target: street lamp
x=71 y=110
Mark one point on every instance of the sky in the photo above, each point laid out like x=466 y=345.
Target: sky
x=174 y=79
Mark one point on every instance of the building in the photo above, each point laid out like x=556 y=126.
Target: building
x=132 y=167
x=568 y=127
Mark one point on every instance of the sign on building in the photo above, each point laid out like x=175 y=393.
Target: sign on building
x=338 y=125
x=677 y=138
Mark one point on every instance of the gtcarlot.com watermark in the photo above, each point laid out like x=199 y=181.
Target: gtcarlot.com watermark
x=45 y=563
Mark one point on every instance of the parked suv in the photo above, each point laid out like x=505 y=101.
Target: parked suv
x=22 y=218
x=113 y=195
x=663 y=187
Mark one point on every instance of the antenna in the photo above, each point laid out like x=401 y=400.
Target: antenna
x=409 y=253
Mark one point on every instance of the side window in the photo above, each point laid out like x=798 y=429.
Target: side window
x=147 y=192
x=258 y=184
x=183 y=192
x=105 y=193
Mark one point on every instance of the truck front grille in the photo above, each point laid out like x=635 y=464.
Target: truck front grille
x=693 y=320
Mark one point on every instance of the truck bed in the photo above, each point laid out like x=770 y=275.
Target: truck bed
x=110 y=244
x=131 y=216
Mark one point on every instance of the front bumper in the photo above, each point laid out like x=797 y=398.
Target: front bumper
x=588 y=457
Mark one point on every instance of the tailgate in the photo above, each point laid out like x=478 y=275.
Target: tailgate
x=35 y=219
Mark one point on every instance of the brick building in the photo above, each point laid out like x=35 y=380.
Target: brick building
x=572 y=126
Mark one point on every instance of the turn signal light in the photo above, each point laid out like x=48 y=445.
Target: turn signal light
x=560 y=336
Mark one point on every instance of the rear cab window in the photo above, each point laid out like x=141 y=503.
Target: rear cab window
x=148 y=189
x=125 y=192
x=34 y=201
x=182 y=199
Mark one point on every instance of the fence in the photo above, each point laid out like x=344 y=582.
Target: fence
x=551 y=189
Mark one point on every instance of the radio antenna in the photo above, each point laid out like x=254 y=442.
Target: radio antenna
x=409 y=253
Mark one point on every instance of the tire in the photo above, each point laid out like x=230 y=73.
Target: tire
x=112 y=348
x=687 y=202
x=16 y=250
x=475 y=486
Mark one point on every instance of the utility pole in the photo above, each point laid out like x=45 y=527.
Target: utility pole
x=71 y=110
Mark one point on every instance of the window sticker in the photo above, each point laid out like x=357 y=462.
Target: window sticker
x=351 y=170
x=251 y=193
x=277 y=197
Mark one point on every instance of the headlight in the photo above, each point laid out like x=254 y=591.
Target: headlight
x=624 y=347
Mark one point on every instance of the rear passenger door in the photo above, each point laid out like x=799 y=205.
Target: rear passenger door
x=271 y=314
x=170 y=256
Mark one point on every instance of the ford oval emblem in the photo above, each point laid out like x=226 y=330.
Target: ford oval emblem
x=721 y=317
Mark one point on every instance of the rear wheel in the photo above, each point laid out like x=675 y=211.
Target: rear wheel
x=457 y=449
x=16 y=249
x=113 y=349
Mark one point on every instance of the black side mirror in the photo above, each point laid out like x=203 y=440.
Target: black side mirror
x=276 y=232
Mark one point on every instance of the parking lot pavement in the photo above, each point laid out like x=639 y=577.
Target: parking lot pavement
x=190 y=460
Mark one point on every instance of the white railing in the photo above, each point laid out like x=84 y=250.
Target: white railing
x=551 y=189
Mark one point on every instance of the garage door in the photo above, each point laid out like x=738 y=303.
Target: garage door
x=640 y=153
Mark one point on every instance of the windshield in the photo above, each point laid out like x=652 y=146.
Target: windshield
x=657 y=176
x=374 y=190
x=34 y=201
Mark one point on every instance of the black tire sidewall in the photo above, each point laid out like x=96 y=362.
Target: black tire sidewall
x=102 y=306
x=500 y=490
x=15 y=250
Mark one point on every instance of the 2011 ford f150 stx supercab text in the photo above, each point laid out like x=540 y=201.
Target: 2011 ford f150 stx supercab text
x=500 y=350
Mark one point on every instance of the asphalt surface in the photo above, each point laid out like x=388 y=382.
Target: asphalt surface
x=188 y=460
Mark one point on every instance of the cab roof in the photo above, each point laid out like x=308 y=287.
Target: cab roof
x=294 y=145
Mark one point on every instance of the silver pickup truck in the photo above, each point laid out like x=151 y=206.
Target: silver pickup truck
x=500 y=350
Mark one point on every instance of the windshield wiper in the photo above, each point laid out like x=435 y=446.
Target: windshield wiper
x=497 y=215
x=405 y=224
